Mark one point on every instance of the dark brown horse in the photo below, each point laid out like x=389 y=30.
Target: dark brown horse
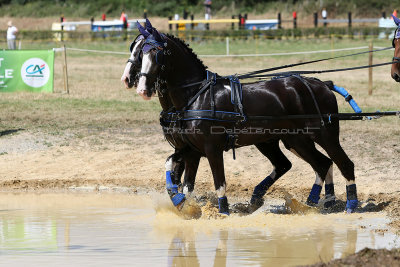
x=187 y=157
x=169 y=59
x=395 y=72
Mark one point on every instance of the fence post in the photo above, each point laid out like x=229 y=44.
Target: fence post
x=233 y=24
x=240 y=21
x=170 y=25
x=279 y=21
x=349 y=15
x=66 y=88
x=315 y=19
x=62 y=27
x=227 y=46
x=192 y=24
x=370 y=69
x=145 y=14
x=384 y=14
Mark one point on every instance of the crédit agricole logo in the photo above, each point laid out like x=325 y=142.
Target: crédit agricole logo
x=35 y=72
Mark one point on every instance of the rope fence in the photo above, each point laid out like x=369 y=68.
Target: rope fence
x=230 y=55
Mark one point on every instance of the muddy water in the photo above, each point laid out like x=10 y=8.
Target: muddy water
x=115 y=229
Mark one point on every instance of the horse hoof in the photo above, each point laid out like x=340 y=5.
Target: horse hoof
x=329 y=201
x=311 y=203
x=329 y=204
x=255 y=204
x=348 y=211
x=351 y=205
x=178 y=199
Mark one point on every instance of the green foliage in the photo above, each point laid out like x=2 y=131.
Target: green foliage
x=37 y=8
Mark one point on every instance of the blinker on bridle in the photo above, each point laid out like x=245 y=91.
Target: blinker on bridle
x=396 y=36
x=151 y=44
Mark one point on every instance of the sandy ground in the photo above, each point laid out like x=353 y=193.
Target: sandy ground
x=36 y=161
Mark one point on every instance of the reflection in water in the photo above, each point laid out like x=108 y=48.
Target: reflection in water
x=115 y=229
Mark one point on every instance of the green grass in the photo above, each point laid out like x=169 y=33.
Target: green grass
x=97 y=97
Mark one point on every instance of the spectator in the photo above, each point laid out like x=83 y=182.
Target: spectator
x=103 y=17
x=394 y=13
x=11 y=35
x=324 y=15
x=207 y=5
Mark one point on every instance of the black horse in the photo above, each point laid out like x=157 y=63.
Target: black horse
x=169 y=59
x=187 y=158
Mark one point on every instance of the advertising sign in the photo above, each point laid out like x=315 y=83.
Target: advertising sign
x=26 y=70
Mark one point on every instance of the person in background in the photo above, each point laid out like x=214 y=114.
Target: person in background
x=11 y=36
x=103 y=17
x=207 y=5
x=324 y=15
x=394 y=13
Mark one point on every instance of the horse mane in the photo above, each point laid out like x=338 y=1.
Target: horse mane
x=184 y=45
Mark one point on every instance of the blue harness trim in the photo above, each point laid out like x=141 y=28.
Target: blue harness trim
x=201 y=114
x=314 y=194
x=348 y=98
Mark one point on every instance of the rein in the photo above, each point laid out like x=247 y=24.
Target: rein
x=288 y=73
x=251 y=74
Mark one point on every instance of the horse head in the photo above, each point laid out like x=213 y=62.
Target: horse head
x=130 y=76
x=153 y=63
x=395 y=72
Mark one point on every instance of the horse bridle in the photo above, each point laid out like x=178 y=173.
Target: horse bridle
x=394 y=38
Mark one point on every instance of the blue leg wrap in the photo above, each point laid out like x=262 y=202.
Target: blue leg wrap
x=329 y=195
x=261 y=189
x=171 y=188
x=178 y=199
x=329 y=189
x=313 y=198
x=352 y=200
x=348 y=98
x=223 y=205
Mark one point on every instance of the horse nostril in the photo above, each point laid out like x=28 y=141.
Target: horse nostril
x=396 y=77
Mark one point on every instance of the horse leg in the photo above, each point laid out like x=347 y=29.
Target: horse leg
x=304 y=148
x=216 y=160
x=281 y=165
x=192 y=160
x=330 y=143
x=173 y=163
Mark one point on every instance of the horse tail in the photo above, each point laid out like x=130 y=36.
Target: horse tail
x=345 y=94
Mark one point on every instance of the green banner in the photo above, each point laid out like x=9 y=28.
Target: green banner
x=26 y=70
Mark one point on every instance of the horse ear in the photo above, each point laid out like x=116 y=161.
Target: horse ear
x=142 y=30
x=157 y=36
x=148 y=25
x=396 y=20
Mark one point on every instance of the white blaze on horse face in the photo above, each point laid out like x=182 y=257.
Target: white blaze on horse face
x=126 y=77
x=146 y=65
